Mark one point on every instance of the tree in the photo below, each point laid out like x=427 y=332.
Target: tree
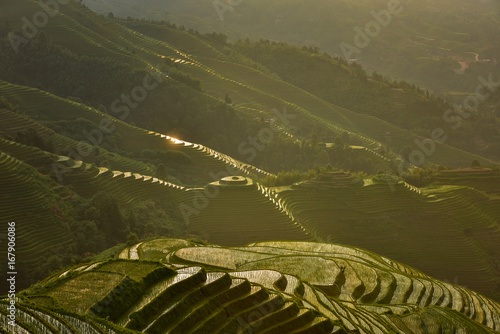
x=475 y=164
x=111 y=15
x=419 y=177
x=228 y=100
x=323 y=158
x=161 y=171
x=53 y=263
x=314 y=140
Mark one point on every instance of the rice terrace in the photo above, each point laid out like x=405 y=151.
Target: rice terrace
x=221 y=167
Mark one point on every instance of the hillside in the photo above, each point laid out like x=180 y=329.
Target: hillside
x=255 y=94
x=89 y=149
x=334 y=207
x=268 y=287
x=402 y=111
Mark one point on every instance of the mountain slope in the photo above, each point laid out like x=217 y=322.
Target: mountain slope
x=395 y=106
x=114 y=172
x=256 y=94
x=358 y=292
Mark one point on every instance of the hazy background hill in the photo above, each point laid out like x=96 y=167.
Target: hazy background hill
x=440 y=45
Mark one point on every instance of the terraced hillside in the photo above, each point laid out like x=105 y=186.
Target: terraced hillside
x=34 y=203
x=267 y=287
x=78 y=179
x=393 y=219
x=14 y=123
x=40 y=320
x=451 y=232
x=335 y=207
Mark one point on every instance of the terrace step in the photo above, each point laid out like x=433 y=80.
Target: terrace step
x=294 y=286
x=268 y=278
x=315 y=299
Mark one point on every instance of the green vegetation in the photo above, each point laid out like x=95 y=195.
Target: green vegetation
x=389 y=101
x=139 y=181
x=399 y=103
x=281 y=287
x=128 y=148
x=393 y=219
